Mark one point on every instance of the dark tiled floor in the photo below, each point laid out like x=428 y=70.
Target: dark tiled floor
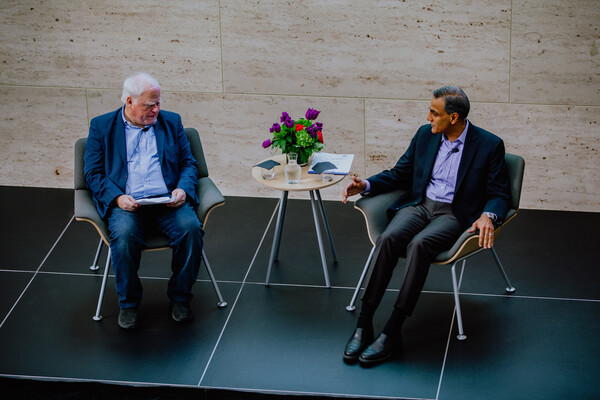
x=287 y=339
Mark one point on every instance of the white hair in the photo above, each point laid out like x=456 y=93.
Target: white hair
x=137 y=84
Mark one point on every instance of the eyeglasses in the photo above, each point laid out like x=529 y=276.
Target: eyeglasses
x=150 y=106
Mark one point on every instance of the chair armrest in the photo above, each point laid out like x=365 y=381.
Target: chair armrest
x=85 y=210
x=468 y=243
x=374 y=209
x=209 y=197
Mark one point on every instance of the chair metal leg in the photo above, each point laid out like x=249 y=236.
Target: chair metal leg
x=98 y=317
x=94 y=266
x=222 y=303
x=461 y=334
x=351 y=307
x=509 y=287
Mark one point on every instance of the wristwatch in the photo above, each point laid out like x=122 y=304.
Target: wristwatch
x=490 y=215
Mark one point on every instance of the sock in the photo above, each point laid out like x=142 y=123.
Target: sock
x=365 y=319
x=394 y=325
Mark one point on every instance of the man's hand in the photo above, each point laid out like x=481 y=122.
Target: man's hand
x=127 y=203
x=486 y=231
x=355 y=186
x=178 y=197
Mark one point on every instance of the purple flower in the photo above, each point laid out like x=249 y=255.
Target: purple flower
x=319 y=126
x=312 y=114
x=275 y=128
x=284 y=116
x=312 y=131
x=266 y=143
x=289 y=123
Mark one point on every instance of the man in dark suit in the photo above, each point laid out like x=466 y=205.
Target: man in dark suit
x=139 y=152
x=455 y=179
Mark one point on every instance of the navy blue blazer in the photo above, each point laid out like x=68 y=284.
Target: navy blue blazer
x=105 y=160
x=482 y=182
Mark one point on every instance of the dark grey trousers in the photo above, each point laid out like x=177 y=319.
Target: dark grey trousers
x=418 y=233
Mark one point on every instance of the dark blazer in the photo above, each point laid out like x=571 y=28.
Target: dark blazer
x=482 y=182
x=105 y=160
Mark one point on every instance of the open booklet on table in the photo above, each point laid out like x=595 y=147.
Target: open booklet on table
x=336 y=164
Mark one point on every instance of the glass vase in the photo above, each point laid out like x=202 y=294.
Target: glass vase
x=292 y=169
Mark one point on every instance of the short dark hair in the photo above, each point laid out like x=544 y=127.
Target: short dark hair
x=455 y=99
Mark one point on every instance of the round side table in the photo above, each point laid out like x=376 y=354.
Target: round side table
x=311 y=183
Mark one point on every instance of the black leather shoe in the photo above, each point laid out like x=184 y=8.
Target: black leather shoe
x=380 y=350
x=359 y=340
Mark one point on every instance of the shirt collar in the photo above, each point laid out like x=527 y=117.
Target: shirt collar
x=461 y=138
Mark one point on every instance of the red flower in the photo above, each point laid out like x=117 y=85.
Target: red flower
x=299 y=127
x=320 y=136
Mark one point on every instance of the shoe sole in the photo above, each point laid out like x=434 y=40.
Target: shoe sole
x=128 y=327
x=351 y=359
x=367 y=361
x=184 y=319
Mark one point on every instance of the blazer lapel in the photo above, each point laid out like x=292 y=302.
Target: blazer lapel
x=431 y=154
x=121 y=142
x=159 y=134
x=469 y=151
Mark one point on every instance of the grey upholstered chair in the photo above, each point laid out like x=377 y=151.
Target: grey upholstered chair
x=374 y=210
x=210 y=197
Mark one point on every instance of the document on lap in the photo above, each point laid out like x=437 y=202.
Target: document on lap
x=155 y=200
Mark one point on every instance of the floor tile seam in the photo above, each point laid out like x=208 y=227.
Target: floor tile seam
x=305 y=393
x=241 y=289
x=21 y=271
x=93 y=380
x=112 y=276
x=474 y=294
x=446 y=351
x=523 y=297
x=449 y=338
x=36 y=272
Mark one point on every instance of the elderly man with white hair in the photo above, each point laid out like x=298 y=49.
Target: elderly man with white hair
x=138 y=152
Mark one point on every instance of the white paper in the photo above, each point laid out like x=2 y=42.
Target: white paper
x=343 y=162
x=155 y=200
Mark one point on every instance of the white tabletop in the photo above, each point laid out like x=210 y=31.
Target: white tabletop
x=307 y=181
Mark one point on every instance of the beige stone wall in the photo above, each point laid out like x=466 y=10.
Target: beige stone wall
x=530 y=67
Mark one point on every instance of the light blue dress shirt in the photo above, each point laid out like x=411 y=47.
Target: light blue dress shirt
x=144 y=173
x=445 y=170
x=442 y=183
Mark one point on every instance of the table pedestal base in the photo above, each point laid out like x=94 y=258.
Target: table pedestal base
x=279 y=225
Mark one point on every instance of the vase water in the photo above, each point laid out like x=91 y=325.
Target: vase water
x=292 y=169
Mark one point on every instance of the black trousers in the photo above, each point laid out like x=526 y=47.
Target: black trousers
x=418 y=233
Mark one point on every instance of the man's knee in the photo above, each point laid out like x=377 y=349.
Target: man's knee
x=124 y=230
x=190 y=230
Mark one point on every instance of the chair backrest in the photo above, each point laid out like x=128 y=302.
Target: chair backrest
x=195 y=146
x=197 y=152
x=516 y=168
x=79 y=176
